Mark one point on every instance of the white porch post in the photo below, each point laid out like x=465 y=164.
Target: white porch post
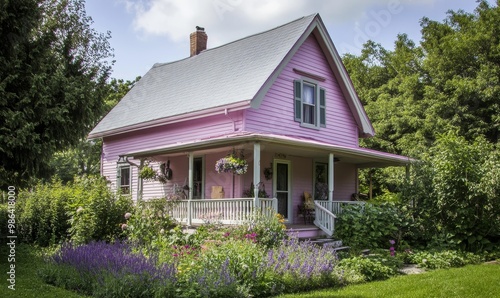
x=190 y=191
x=256 y=172
x=331 y=184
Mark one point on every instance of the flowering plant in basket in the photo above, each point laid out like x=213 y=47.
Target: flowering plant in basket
x=231 y=164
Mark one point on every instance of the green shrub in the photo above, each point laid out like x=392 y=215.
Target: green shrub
x=4 y=217
x=374 y=268
x=97 y=213
x=453 y=195
x=369 y=225
x=267 y=230
x=43 y=213
x=84 y=210
x=151 y=225
x=442 y=259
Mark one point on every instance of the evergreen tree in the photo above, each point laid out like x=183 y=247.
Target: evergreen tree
x=53 y=73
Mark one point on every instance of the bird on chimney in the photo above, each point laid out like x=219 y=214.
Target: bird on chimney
x=198 y=28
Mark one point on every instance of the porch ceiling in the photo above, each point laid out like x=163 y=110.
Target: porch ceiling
x=282 y=146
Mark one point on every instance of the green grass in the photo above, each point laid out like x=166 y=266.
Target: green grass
x=469 y=281
x=28 y=284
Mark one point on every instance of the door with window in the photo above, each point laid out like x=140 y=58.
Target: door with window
x=282 y=187
x=198 y=178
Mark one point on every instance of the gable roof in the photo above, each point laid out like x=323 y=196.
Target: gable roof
x=229 y=77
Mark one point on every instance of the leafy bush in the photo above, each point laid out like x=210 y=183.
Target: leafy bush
x=453 y=195
x=83 y=210
x=221 y=269
x=97 y=212
x=369 y=225
x=373 y=268
x=151 y=224
x=4 y=217
x=443 y=259
x=43 y=213
x=267 y=230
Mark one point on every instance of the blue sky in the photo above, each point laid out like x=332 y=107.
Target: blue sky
x=145 y=32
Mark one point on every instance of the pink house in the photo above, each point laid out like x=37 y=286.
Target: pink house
x=281 y=98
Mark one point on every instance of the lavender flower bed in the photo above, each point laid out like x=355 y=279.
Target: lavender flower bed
x=303 y=264
x=114 y=270
x=116 y=259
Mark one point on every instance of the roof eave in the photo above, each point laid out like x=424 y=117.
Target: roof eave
x=378 y=158
x=245 y=104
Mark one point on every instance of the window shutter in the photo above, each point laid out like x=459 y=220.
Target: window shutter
x=322 y=107
x=298 y=100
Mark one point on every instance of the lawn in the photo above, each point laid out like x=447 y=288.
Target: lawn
x=469 y=281
x=28 y=284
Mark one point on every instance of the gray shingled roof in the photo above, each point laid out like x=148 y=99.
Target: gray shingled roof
x=217 y=77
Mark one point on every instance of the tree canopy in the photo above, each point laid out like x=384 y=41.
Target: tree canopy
x=450 y=81
x=53 y=79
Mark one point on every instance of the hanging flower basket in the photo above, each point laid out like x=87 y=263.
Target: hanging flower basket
x=231 y=164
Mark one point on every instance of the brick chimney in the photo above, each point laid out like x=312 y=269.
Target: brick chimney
x=198 y=41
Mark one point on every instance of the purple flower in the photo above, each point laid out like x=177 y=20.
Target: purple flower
x=392 y=242
x=98 y=258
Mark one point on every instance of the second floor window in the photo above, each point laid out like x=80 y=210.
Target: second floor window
x=310 y=104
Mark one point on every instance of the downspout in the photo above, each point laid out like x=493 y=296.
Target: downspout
x=234 y=122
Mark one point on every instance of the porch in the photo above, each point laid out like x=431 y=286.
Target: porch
x=238 y=210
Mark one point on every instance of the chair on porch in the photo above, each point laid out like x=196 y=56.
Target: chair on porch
x=306 y=209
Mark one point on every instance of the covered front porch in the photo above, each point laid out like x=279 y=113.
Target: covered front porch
x=282 y=170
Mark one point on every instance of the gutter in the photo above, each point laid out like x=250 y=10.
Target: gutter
x=242 y=105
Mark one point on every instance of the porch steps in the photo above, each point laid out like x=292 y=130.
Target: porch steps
x=306 y=231
x=337 y=245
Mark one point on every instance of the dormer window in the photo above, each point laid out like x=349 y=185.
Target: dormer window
x=310 y=104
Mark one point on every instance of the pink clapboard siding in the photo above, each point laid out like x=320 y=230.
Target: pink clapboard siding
x=345 y=181
x=160 y=136
x=276 y=114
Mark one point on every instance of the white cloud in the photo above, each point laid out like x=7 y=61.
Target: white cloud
x=227 y=20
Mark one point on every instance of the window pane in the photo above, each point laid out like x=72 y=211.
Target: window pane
x=282 y=177
x=125 y=177
x=309 y=94
x=309 y=114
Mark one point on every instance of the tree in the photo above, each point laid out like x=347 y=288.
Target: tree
x=454 y=193
x=462 y=67
x=451 y=81
x=84 y=158
x=53 y=73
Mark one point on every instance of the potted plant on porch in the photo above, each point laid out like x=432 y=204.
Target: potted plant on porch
x=232 y=164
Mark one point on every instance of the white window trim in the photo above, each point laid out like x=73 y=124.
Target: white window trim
x=119 y=178
x=317 y=104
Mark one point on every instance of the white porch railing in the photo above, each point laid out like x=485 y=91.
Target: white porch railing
x=324 y=219
x=335 y=207
x=327 y=211
x=226 y=211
